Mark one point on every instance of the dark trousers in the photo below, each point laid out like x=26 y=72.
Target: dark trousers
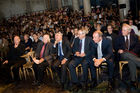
x=133 y=63
x=62 y=73
x=93 y=69
x=39 y=70
x=73 y=64
x=16 y=65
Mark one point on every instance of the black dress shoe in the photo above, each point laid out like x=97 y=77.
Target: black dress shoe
x=134 y=84
x=93 y=84
x=62 y=86
x=110 y=86
x=75 y=87
x=84 y=87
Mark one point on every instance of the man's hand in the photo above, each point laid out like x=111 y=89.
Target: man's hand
x=5 y=62
x=55 y=42
x=97 y=62
x=36 y=61
x=27 y=48
x=16 y=45
x=77 y=54
x=120 y=51
x=82 y=55
x=63 y=61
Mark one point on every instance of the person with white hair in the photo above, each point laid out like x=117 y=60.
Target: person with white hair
x=128 y=47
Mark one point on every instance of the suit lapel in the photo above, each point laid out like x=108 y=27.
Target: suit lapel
x=85 y=45
x=103 y=43
x=63 y=45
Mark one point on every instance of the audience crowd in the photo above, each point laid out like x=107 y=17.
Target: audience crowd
x=62 y=39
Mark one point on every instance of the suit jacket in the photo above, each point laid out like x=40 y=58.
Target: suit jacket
x=89 y=44
x=65 y=47
x=48 y=52
x=72 y=40
x=107 y=49
x=134 y=43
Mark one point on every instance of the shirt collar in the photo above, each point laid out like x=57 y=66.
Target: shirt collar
x=99 y=43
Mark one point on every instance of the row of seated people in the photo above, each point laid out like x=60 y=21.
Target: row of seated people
x=84 y=50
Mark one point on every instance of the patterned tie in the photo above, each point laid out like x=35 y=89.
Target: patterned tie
x=80 y=46
x=42 y=51
x=99 y=52
x=127 y=42
x=59 y=50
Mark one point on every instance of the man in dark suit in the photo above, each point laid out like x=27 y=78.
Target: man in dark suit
x=43 y=58
x=63 y=51
x=128 y=46
x=82 y=55
x=104 y=54
x=14 y=58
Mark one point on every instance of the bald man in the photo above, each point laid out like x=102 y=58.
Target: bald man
x=104 y=54
x=13 y=58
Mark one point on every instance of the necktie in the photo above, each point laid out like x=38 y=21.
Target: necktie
x=99 y=52
x=73 y=42
x=42 y=51
x=80 y=46
x=59 y=49
x=127 y=43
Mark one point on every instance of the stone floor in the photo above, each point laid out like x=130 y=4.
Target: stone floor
x=25 y=86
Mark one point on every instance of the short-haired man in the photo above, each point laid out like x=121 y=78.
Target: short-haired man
x=63 y=51
x=104 y=54
x=82 y=55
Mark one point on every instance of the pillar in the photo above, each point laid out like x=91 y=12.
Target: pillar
x=59 y=4
x=75 y=5
x=124 y=11
x=87 y=7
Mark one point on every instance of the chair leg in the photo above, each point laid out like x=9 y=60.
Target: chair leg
x=33 y=73
x=27 y=72
x=20 y=73
x=120 y=65
x=89 y=73
x=97 y=73
x=24 y=71
x=51 y=73
x=47 y=71
x=12 y=72
x=69 y=74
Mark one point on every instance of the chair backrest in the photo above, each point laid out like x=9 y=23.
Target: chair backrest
x=29 y=56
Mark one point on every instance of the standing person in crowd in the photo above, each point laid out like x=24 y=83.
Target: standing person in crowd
x=128 y=47
x=82 y=55
x=62 y=50
x=43 y=58
x=14 y=58
x=104 y=54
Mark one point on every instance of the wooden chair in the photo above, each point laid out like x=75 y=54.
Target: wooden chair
x=121 y=64
x=98 y=70
x=20 y=72
x=28 y=65
x=48 y=69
